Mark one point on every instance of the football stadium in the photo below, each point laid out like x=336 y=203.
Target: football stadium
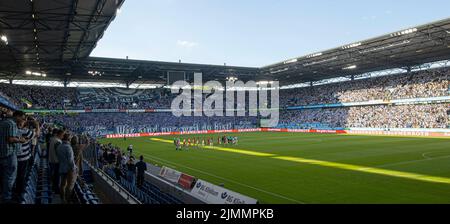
x=367 y=122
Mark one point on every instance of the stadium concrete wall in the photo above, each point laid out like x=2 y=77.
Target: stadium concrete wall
x=170 y=188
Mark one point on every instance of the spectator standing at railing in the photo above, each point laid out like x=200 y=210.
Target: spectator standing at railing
x=131 y=171
x=35 y=125
x=79 y=144
x=111 y=157
x=104 y=155
x=130 y=150
x=141 y=168
x=118 y=170
x=55 y=141
x=67 y=167
x=99 y=155
x=119 y=158
x=5 y=113
x=10 y=142
x=48 y=136
x=124 y=160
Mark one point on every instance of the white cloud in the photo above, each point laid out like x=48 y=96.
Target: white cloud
x=187 y=44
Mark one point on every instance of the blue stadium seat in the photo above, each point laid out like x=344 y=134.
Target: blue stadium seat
x=148 y=194
x=84 y=194
x=37 y=188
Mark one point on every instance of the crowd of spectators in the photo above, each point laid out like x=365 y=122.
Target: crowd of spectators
x=402 y=116
x=118 y=98
x=381 y=116
x=5 y=112
x=18 y=142
x=6 y=97
x=429 y=83
x=377 y=116
x=106 y=123
x=123 y=163
x=39 y=97
x=314 y=118
x=64 y=150
x=422 y=84
x=20 y=138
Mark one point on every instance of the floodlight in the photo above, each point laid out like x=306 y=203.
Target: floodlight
x=350 y=67
x=4 y=38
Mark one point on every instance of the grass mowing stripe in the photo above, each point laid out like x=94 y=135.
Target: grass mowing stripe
x=358 y=168
x=162 y=161
x=240 y=151
x=407 y=175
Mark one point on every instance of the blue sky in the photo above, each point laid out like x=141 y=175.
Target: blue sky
x=254 y=32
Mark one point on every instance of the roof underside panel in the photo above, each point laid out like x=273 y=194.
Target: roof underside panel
x=44 y=35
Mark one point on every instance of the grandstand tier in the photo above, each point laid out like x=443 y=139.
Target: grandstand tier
x=90 y=130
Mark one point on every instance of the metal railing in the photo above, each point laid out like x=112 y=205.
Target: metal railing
x=115 y=185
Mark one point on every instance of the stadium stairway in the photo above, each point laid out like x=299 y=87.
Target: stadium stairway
x=84 y=190
x=153 y=190
x=37 y=188
x=148 y=194
x=84 y=194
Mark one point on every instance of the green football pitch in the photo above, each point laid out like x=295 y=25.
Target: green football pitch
x=313 y=168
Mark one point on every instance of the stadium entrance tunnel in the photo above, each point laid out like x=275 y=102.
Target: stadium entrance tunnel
x=342 y=166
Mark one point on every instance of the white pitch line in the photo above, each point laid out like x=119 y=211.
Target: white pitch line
x=413 y=161
x=424 y=155
x=226 y=179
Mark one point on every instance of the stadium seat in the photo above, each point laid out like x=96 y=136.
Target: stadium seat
x=148 y=194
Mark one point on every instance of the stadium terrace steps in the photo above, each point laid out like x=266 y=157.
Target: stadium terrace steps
x=148 y=194
x=37 y=188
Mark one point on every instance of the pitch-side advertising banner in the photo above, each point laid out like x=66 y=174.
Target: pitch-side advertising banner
x=170 y=174
x=186 y=181
x=213 y=194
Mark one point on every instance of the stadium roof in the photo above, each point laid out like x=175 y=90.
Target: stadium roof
x=47 y=36
x=402 y=49
x=155 y=71
x=55 y=38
